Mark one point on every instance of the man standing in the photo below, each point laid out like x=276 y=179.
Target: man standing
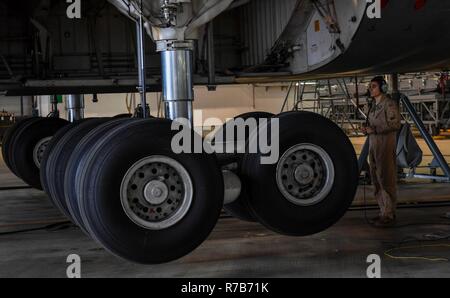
x=384 y=121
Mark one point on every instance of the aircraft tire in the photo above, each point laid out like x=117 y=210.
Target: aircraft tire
x=56 y=158
x=75 y=158
x=28 y=148
x=314 y=181
x=9 y=137
x=142 y=201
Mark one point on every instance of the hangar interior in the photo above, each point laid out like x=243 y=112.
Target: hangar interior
x=86 y=105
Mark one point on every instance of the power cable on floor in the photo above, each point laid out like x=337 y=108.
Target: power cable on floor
x=412 y=239
x=14 y=188
x=389 y=252
x=50 y=228
x=399 y=246
x=366 y=205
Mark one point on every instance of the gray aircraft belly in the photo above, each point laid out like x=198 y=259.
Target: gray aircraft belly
x=404 y=39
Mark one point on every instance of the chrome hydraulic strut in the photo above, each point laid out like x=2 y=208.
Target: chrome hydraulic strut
x=177 y=81
x=75 y=107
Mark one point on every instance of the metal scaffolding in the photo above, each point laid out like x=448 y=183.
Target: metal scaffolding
x=343 y=101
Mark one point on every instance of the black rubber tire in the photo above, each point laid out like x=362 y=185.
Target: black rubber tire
x=8 y=138
x=24 y=143
x=11 y=151
x=102 y=171
x=123 y=116
x=83 y=144
x=239 y=208
x=45 y=180
x=267 y=202
x=57 y=156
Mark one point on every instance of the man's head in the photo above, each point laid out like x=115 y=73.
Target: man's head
x=378 y=86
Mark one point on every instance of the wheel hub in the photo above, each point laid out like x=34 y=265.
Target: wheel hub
x=156 y=192
x=39 y=150
x=305 y=174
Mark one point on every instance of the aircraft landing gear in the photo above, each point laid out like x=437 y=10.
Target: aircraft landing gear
x=239 y=208
x=121 y=181
x=26 y=146
x=8 y=137
x=56 y=159
x=85 y=137
x=25 y=143
x=309 y=188
x=314 y=181
x=143 y=202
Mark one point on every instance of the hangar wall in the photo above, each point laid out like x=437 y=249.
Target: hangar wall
x=12 y=105
x=226 y=102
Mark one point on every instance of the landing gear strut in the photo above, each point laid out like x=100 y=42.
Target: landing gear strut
x=75 y=107
x=125 y=186
x=177 y=65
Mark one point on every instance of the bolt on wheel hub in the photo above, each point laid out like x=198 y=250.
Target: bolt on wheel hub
x=305 y=174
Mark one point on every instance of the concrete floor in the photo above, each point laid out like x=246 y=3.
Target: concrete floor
x=235 y=248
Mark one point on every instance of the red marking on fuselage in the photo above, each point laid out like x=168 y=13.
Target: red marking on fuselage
x=420 y=4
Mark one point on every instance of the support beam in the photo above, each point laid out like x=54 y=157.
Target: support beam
x=140 y=49
x=21 y=106
x=54 y=102
x=426 y=135
x=211 y=59
x=394 y=81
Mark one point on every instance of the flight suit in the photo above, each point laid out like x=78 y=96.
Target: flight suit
x=385 y=120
